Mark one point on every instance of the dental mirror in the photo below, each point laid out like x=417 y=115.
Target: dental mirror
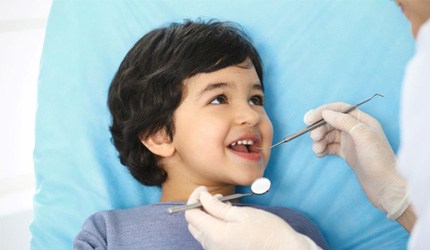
x=259 y=186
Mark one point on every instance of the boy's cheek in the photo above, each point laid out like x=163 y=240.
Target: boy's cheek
x=269 y=129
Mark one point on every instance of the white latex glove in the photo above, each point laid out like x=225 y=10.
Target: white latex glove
x=359 y=139
x=223 y=226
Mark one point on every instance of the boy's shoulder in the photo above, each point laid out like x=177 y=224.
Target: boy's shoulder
x=143 y=227
x=281 y=211
x=135 y=215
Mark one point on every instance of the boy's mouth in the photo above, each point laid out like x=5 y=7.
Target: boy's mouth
x=244 y=146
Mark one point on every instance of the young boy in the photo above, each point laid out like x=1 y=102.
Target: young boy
x=187 y=111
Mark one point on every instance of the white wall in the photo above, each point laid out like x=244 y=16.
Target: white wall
x=22 y=29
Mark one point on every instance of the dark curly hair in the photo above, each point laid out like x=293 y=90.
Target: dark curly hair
x=148 y=86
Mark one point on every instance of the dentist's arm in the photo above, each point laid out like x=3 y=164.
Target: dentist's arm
x=359 y=139
x=223 y=226
x=408 y=218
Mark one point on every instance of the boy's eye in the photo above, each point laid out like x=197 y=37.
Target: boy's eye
x=221 y=99
x=257 y=100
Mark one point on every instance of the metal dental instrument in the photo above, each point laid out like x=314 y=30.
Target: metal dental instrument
x=317 y=124
x=259 y=186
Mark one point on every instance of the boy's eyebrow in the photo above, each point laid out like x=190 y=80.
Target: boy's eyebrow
x=218 y=85
x=258 y=86
x=213 y=86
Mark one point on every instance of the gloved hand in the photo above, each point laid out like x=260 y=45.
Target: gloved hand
x=359 y=139
x=223 y=226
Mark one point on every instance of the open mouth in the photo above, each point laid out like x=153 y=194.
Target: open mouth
x=244 y=146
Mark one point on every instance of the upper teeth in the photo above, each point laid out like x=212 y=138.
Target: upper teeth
x=243 y=142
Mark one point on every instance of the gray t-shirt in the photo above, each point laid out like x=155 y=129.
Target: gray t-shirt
x=152 y=227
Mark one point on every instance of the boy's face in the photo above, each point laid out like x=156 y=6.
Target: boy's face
x=219 y=126
x=417 y=11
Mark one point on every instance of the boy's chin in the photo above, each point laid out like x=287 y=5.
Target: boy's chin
x=248 y=180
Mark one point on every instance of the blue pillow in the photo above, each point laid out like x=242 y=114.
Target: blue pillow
x=314 y=52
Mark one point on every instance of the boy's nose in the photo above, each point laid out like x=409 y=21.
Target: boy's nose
x=246 y=115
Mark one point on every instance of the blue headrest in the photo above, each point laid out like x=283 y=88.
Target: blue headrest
x=314 y=52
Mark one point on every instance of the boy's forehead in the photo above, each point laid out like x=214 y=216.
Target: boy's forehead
x=229 y=77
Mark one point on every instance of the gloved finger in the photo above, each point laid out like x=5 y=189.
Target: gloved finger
x=195 y=216
x=203 y=229
x=320 y=146
x=325 y=133
x=319 y=133
x=333 y=136
x=215 y=207
x=204 y=226
x=311 y=116
x=195 y=195
x=360 y=132
x=371 y=121
x=357 y=113
x=315 y=115
x=219 y=196
x=201 y=221
x=331 y=149
x=344 y=122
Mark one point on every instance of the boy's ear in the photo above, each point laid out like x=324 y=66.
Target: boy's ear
x=159 y=144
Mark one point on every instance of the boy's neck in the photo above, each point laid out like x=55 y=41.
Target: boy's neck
x=181 y=191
